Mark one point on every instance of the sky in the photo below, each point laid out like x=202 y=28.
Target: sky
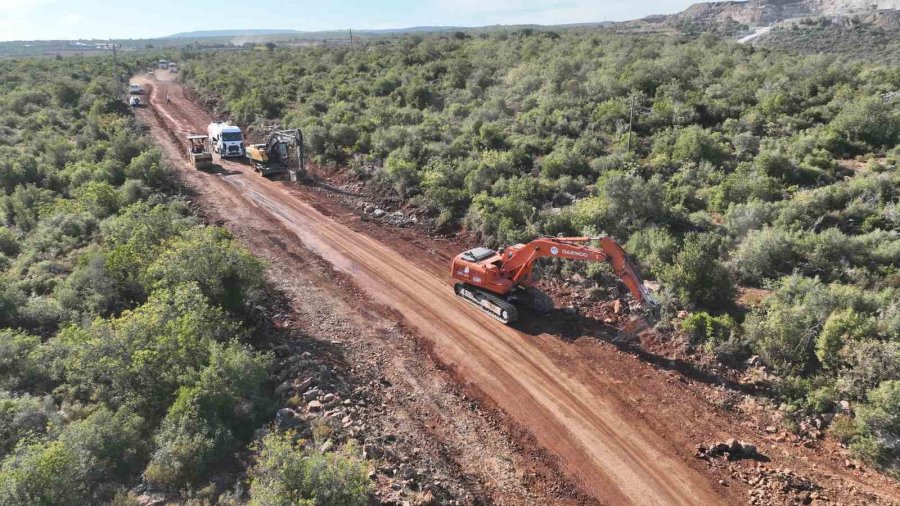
x=124 y=19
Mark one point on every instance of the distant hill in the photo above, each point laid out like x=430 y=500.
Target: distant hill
x=874 y=36
x=202 y=34
x=861 y=28
x=769 y=12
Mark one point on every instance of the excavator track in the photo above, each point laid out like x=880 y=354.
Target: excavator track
x=534 y=299
x=494 y=306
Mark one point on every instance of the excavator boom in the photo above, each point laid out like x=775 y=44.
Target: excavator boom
x=493 y=280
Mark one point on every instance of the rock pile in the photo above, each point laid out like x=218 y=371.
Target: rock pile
x=321 y=408
x=782 y=486
x=731 y=449
x=396 y=218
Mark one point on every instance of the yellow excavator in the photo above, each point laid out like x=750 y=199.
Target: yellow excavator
x=281 y=153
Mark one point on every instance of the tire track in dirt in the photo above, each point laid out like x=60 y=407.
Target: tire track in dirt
x=602 y=443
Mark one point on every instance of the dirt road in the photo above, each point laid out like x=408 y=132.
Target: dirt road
x=619 y=428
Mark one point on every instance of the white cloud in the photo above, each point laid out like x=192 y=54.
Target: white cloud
x=70 y=20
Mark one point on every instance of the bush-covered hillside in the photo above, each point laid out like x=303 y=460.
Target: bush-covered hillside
x=744 y=168
x=122 y=358
x=854 y=38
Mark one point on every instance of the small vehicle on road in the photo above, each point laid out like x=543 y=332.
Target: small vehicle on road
x=134 y=101
x=201 y=158
x=135 y=89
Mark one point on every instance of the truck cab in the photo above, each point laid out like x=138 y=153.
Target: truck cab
x=226 y=140
x=173 y=67
x=163 y=64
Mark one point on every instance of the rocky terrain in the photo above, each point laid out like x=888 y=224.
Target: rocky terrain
x=850 y=23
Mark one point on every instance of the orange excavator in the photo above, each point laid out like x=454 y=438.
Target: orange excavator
x=495 y=281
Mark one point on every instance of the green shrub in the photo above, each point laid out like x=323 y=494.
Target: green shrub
x=188 y=444
x=223 y=407
x=841 y=328
x=868 y=121
x=696 y=275
x=21 y=363
x=708 y=331
x=402 y=173
x=120 y=359
x=83 y=466
x=22 y=416
x=227 y=274
x=878 y=420
x=784 y=335
x=286 y=473
x=9 y=243
x=867 y=363
x=654 y=247
x=764 y=254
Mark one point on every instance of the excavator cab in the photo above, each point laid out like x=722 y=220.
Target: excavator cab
x=481 y=267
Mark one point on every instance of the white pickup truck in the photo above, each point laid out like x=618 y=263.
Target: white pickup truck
x=226 y=140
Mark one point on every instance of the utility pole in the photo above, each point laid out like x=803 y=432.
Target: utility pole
x=114 y=47
x=630 y=122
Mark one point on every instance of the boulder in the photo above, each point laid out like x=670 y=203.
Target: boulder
x=314 y=405
x=283 y=388
x=372 y=452
x=303 y=385
x=286 y=418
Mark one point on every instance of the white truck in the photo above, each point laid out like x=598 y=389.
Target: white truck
x=135 y=89
x=173 y=67
x=224 y=139
x=163 y=64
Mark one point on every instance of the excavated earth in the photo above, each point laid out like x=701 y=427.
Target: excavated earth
x=550 y=411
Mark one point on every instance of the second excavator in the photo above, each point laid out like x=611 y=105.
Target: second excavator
x=281 y=153
x=495 y=281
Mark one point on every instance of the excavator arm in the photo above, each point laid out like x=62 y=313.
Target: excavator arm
x=518 y=261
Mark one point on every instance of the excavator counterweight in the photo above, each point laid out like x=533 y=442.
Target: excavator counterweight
x=496 y=281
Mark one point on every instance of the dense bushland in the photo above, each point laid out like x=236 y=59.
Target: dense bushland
x=128 y=346
x=743 y=167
